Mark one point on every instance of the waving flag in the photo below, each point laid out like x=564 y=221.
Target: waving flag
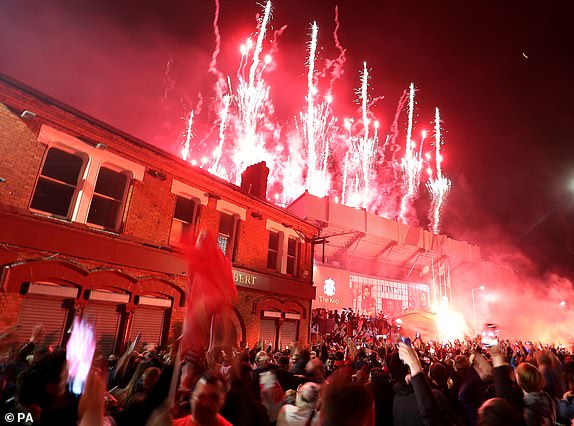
x=211 y=293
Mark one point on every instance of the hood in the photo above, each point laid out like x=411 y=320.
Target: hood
x=540 y=403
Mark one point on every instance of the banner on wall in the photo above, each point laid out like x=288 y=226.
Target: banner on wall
x=337 y=289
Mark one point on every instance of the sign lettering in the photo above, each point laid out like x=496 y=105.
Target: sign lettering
x=244 y=279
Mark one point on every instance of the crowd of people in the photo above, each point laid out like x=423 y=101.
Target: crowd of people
x=403 y=381
x=334 y=326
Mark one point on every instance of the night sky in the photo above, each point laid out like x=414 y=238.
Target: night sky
x=502 y=73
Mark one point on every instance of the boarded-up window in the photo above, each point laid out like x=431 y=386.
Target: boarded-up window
x=267 y=332
x=149 y=322
x=288 y=333
x=49 y=312
x=106 y=320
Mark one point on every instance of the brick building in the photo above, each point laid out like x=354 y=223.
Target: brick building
x=90 y=223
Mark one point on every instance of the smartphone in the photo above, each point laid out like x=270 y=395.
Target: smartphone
x=79 y=355
x=406 y=340
x=490 y=335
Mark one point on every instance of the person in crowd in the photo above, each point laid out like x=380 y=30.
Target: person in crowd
x=301 y=362
x=261 y=366
x=448 y=402
x=207 y=399
x=242 y=407
x=284 y=376
x=414 y=402
x=498 y=412
x=471 y=394
x=315 y=371
x=303 y=412
x=549 y=365
x=42 y=390
x=383 y=394
x=134 y=405
x=539 y=407
x=345 y=403
x=566 y=404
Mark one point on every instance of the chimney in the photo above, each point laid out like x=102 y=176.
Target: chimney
x=254 y=180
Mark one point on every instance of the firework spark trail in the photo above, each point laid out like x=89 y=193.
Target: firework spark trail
x=439 y=187
x=394 y=131
x=188 y=134
x=213 y=64
x=252 y=100
x=334 y=67
x=223 y=116
x=169 y=82
x=360 y=164
x=345 y=174
x=364 y=95
x=259 y=44
x=274 y=49
x=310 y=114
x=367 y=147
x=411 y=164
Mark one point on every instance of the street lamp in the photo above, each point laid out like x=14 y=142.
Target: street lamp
x=474 y=307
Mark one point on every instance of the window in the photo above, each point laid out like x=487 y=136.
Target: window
x=108 y=198
x=184 y=219
x=273 y=251
x=292 y=256
x=227 y=237
x=58 y=183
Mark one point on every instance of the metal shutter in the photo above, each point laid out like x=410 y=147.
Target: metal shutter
x=288 y=333
x=149 y=322
x=267 y=332
x=42 y=310
x=106 y=320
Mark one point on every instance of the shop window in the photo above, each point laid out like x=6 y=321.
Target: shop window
x=107 y=201
x=273 y=251
x=184 y=220
x=57 y=184
x=292 y=246
x=227 y=238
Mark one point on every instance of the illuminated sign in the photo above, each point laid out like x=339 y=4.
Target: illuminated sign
x=329 y=287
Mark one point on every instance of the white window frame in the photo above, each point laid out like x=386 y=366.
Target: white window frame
x=284 y=234
x=96 y=158
x=278 y=259
x=193 y=221
x=79 y=187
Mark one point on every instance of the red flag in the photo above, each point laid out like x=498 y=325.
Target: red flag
x=211 y=291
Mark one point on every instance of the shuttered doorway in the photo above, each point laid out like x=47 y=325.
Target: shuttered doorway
x=50 y=312
x=267 y=333
x=288 y=333
x=149 y=322
x=106 y=320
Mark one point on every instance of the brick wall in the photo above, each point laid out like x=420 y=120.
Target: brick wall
x=9 y=309
x=20 y=160
x=150 y=210
x=253 y=242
